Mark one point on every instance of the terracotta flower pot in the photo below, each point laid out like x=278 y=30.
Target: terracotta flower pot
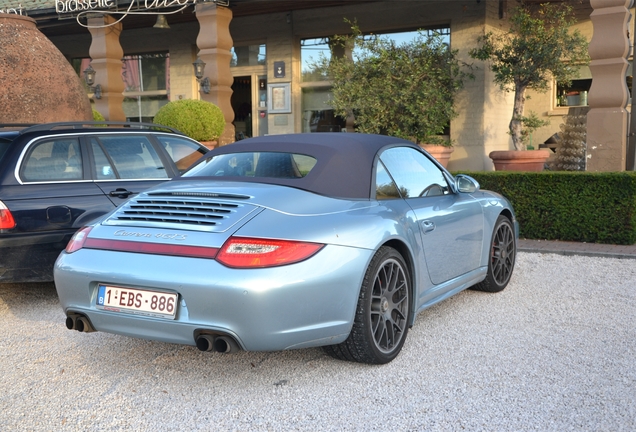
x=441 y=153
x=519 y=160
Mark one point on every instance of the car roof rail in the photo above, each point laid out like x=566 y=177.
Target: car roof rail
x=97 y=124
x=16 y=125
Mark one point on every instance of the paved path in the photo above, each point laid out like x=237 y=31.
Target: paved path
x=577 y=248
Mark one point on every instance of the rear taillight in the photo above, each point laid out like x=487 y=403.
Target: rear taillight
x=240 y=252
x=78 y=240
x=6 y=218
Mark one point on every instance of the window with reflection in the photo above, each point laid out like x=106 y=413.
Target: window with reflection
x=318 y=116
x=56 y=159
x=147 y=85
x=132 y=157
x=415 y=175
x=183 y=152
x=254 y=164
x=385 y=187
x=248 y=55
x=575 y=93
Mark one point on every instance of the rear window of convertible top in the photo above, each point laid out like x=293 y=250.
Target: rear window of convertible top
x=254 y=164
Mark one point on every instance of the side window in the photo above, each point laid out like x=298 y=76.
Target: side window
x=58 y=159
x=385 y=187
x=133 y=157
x=183 y=152
x=103 y=168
x=415 y=175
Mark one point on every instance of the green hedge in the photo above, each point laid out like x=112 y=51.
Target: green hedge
x=569 y=206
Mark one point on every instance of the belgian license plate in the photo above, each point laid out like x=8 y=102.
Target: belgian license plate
x=131 y=300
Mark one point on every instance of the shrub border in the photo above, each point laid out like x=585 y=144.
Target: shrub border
x=569 y=206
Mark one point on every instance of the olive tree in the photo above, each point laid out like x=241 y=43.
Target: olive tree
x=537 y=48
x=402 y=89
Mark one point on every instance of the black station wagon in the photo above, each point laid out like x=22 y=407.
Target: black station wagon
x=56 y=177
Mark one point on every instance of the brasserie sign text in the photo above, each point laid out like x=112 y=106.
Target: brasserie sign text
x=71 y=6
x=17 y=11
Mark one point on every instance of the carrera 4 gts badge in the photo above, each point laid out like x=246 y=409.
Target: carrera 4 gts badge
x=164 y=236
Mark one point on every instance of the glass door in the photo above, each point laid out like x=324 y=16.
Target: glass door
x=249 y=102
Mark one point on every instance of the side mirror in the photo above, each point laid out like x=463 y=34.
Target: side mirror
x=466 y=184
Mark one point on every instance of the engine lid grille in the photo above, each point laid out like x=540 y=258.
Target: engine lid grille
x=180 y=211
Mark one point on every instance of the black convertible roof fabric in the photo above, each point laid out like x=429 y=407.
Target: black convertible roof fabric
x=344 y=167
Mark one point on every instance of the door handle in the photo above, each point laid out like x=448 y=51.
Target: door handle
x=121 y=193
x=427 y=226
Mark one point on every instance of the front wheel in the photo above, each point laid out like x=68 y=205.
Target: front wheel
x=383 y=312
x=501 y=263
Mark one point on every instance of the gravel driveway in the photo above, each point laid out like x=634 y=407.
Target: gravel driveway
x=554 y=352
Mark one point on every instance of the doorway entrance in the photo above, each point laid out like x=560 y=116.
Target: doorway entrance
x=249 y=102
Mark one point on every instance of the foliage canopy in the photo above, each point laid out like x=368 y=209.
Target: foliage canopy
x=537 y=48
x=405 y=90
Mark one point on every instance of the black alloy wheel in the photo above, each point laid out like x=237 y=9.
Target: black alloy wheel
x=383 y=312
x=503 y=251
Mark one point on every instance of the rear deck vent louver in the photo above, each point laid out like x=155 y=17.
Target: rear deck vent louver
x=189 y=212
x=180 y=210
x=198 y=194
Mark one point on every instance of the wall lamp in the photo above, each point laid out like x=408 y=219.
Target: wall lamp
x=199 y=67
x=89 y=76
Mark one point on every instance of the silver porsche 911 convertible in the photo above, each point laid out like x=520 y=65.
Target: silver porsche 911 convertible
x=290 y=241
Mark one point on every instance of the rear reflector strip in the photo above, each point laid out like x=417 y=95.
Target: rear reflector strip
x=151 y=248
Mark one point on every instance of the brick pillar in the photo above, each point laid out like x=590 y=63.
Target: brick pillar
x=215 y=42
x=607 y=119
x=106 y=54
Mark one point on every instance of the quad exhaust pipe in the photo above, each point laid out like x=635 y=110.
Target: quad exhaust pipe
x=79 y=323
x=204 y=342
x=220 y=344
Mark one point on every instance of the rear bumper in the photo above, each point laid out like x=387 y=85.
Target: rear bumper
x=29 y=257
x=311 y=303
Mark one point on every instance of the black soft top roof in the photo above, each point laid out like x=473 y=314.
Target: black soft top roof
x=344 y=167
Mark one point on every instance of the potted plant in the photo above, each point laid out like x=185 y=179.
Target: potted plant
x=537 y=48
x=200 y=120
x=405 y=90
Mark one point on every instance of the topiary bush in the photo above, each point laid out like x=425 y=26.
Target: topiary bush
x=200 y=120
x=97 y=116
x=569 y=206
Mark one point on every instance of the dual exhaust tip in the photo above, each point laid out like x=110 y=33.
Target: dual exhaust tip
x=204 y=342
x=80 y=323
x=220 y=344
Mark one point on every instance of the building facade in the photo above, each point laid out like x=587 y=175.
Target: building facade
x=258 y=61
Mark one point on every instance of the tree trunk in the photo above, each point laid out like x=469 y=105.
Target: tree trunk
x=517 y=114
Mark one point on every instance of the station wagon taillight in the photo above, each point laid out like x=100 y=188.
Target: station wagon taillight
x=6 y=218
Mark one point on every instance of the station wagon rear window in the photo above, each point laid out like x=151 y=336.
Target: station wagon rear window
x=254 y=164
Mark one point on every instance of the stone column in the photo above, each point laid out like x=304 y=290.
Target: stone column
x=215 y=42
x=607 y=119
x=106 y=54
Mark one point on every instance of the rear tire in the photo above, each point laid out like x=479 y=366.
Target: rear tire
x=383 y=312
x=501 y=263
